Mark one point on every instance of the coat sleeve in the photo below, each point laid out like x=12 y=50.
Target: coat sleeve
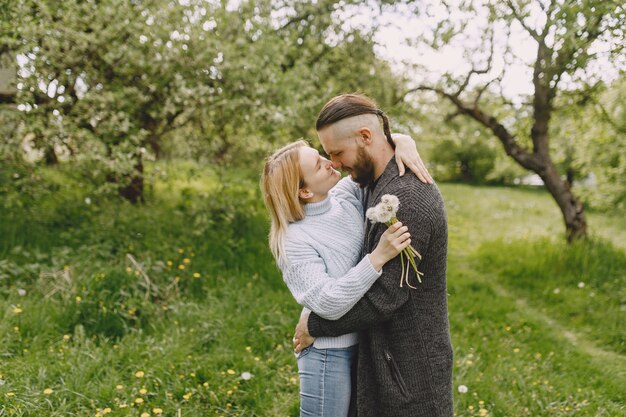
x=311 y=285
x=385 y=296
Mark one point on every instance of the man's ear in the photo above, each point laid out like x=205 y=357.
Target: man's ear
x=364 y=136
x=305 y=193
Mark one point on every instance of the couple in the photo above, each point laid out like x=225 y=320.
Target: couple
x=346 y=272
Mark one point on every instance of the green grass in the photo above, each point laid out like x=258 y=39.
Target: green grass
x=92 y=294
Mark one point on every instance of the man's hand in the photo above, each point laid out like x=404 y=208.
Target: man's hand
x=406 y=154
x=302 y=339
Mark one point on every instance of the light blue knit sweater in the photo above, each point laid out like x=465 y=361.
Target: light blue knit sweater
x=321 y=252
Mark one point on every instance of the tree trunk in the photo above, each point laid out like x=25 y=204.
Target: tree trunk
x=571 y=207
x=133 y=191
x=50 y=156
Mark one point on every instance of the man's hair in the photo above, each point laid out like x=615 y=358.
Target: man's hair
x=350 y=105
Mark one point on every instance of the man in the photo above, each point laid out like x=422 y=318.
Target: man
x=405 y=354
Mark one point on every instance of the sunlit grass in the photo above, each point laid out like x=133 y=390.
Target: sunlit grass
x=108 y=308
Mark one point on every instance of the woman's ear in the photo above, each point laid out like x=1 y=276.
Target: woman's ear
x=305 y=193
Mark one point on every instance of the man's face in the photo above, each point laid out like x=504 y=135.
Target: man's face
x=348 y=155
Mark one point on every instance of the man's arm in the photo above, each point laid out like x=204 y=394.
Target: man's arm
x=385 y=296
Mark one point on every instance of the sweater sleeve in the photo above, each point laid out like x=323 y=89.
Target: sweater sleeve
x=385 y=296
x=348 y=190
x=330 y=297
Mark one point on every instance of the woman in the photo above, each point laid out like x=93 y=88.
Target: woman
x=316 y=238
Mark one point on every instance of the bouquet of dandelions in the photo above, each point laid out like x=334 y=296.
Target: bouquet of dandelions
x=385 y=212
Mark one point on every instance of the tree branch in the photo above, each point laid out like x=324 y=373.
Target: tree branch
x=525 y=159
x=536 y=36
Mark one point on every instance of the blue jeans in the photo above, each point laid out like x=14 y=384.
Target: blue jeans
x=326 y=381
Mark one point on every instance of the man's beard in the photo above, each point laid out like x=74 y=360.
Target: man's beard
x=363 y=169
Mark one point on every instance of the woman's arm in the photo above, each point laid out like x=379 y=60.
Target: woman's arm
x=406 y=154
x=307 y=278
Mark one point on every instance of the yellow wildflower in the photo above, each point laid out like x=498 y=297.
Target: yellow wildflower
x=196 y=275
x=78 y=299
x=139 y=400
x=186 y=261
x=143 y=391
x=231 y=372
x=145 y=414
x=48 y=391
x=157 y=411
x=139 y=374
x=66 y=337
x=17 y=309
x=187 y=396
x=181 y=267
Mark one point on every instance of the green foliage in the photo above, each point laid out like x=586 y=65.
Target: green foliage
x=91 y=306
x=567 y=281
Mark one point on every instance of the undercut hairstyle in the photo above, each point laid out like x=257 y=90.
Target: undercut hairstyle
x=350 y=105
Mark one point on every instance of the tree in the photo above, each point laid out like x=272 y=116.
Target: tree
x=566 y=35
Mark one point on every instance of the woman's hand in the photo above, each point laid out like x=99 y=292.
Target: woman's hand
x=406 y=154
x=391 y=243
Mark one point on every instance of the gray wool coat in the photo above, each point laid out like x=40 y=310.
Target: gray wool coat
x=405 y=354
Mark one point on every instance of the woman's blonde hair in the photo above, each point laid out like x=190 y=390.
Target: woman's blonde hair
x=280 y=182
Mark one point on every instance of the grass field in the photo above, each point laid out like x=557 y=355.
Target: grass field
x=176 y=308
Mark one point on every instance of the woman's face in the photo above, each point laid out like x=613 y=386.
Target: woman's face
x=318 y=174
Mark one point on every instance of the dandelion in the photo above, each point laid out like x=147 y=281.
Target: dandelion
x=144 y=414
x=186 y=261
x=516 y=350
x=246 y=376
x=248 y=348
x=119 y=387
x=17 y=309
x=181 y=250
x=557 y=290
x=138 y=400
x=231 y=372
x=10 y=394
x=229 y=392
x=87 y=200
x=143 y=391
x=21 y=292
x=48 y=391
x=581 y=284
x=169 y=263
x=385 y=212
x=106 y=410
x=78 y=299
x=187 y=396
x=482 y=412
x=462 y=389
x=507 y=328
x=206 y=384
x=139 y=374
x=123 y=405
x=196 y=275
x=157 y=411
x=181 y=267
x=66 y=337
x=129 y=269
